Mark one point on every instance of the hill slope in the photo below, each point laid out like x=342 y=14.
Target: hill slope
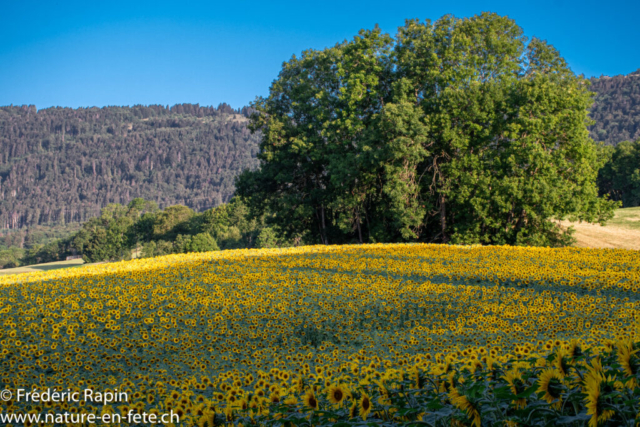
x=616 y=109
x=299 y=328
x=61 y=165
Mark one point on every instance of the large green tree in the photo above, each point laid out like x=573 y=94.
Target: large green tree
x=459 y=130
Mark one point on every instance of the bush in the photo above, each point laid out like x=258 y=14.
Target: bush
x=267 y=238
x=202 y=242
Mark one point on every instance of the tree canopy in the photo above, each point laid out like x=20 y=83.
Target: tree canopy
x=620 y=176
x=458 y=130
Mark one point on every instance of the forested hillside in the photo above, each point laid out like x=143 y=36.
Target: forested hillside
x=61 y=165
x=617 y=108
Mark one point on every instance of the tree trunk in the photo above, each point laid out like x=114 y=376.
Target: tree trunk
x=366 y=218
x=359 y=228
x=521 y=219
x=443 y=218
x=324 y=228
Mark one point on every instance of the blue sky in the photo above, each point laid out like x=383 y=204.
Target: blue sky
x=97 y=53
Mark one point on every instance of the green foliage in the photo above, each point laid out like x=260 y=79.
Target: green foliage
x=141 y=226
x=159 y=248
x=142 y=230
x=149 y=249
x=142 y=205
x=10 y=258
x=595 y=391
x=172 y=221
x=28 y=238
x=460 y=130
x=52 y=251
x=215 y=221
x=267 y=238
x=107 y=237
x=620 y=177
x=202 y=242
x=232 y=225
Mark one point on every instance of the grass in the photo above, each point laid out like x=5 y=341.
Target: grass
x=621 y=232
x=627 y=218
x=43 y=267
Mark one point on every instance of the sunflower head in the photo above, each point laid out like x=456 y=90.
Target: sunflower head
x=514 y=378
x=453 y=379
x=290 y=401
x=353 y=410
x=418 y=378
x=562 y=362
x=337 y=394
x=475 y=365
x=207 y=420
x=463 y=403
x=575 y=350
x=310 y=400
x=229 y=413
x=365 y=406
x=550 y=384
x=382 y=389
x=595 y=368
x=628 y=358
x=594 y=403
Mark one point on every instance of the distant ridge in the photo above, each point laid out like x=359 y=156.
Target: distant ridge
x=616 y=109
x=60 y=165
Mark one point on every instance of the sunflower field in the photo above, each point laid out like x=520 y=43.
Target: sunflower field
x=381 y=334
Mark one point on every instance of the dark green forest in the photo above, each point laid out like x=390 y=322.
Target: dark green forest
x=63 y=165
x=616 y=109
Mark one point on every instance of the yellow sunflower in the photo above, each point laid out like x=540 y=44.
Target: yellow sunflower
x=418 y=378
x=290 y=401
x=575 y=349
x=229 y=413
x=514 y=378
x=594 y=403
x=310 y=400
x=353 y=410
x=336 y=394
x=207 y=420
x=365 y=406
x=461 y=402
x=562 y=362
x=550 y=382
x=628 y=359
x=595 y=368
